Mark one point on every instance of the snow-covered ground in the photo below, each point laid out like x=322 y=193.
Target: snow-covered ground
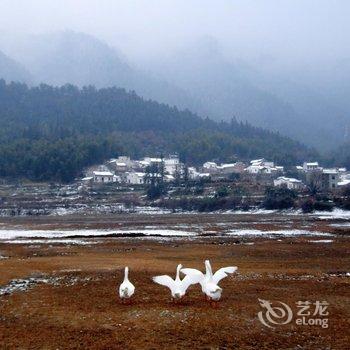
x=329 y=215
x=8 y=235
x=321 y=241
x=343 y=224
x=284 y=233
x=91 y=236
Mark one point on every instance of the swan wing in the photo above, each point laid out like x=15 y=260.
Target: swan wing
x=189 y=271
x=223 y=272
x=189 y=280
x=165 y=280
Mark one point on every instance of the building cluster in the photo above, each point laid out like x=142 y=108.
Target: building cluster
x=317 y=177
x=125 y=170
x=325 y=178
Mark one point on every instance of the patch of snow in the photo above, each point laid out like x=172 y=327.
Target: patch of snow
x=322 y=241
x=285 y=233
x=251 y=212
x=21 y=285
x=10 y=235
x=335 y=214
x=344 y=224
x=50 y=241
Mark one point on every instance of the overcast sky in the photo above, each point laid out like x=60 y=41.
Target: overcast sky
x=294 y=30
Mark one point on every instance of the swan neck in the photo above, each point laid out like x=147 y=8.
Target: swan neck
x=208 y=269
x=126 y=274
x=178 y=271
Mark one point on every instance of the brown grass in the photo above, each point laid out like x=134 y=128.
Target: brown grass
x=88 y=314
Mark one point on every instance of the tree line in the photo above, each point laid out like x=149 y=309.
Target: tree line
x=51 y=133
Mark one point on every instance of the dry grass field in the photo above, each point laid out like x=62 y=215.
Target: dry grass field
x=72 y=303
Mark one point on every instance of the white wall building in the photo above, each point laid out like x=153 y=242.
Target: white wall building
x=210 y=165
x=262 y=162
x=330 y=179
x=152 y=160
x=193 y=174
x=259 y=169
x=311 y=166
x=290 y=183
x=103 y=176
x=227 y=168
x=172 y=164
x=135 y=178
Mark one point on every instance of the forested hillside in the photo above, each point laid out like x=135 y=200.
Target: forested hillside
x=199 y=77
x=341 y=156
x=49 y=133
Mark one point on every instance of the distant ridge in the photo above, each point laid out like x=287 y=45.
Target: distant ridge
x=51 y=133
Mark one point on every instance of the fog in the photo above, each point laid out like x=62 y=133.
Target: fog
x=289 y=32
x=282 y=65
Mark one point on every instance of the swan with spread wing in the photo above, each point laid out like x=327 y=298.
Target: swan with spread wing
x=209 y=281
x=177 y=286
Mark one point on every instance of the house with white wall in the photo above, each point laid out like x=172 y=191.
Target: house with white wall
x=103 y=177
x=172 y=164
x=288 y=182
x=134 y=178
x=311 y=166
x=330 y=179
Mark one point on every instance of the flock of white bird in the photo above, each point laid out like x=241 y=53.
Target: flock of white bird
x=178 y=287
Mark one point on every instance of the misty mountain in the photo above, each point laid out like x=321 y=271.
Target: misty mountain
x=324 y=119
x=227 y=88
x=82 y=60
x=202 y=79
x=51 y=133
x=10 y=70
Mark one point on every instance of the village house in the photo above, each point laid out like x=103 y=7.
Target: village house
x=344 y=179
x=259 y=169
x=311 y=166
x=152 y=160
x=330 y=179
x=125 y=160
x=210 y=167
x=233 y=168
x=134 y=178
x=262 y=162
x=290 y=183
x=262 y=166
x=103 y=177
x=193 y=174
x=172 y=164
x=87 y=180
x=117 y=166
x=123 y=164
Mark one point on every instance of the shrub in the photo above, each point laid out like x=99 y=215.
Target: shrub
x=279 y=198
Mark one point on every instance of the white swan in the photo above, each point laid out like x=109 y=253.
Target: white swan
x=126 y=289
x=177 y=287
x=209 y=281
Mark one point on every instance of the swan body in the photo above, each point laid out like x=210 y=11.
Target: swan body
x=126 y=289
x=177 y=286
x=209 y=281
